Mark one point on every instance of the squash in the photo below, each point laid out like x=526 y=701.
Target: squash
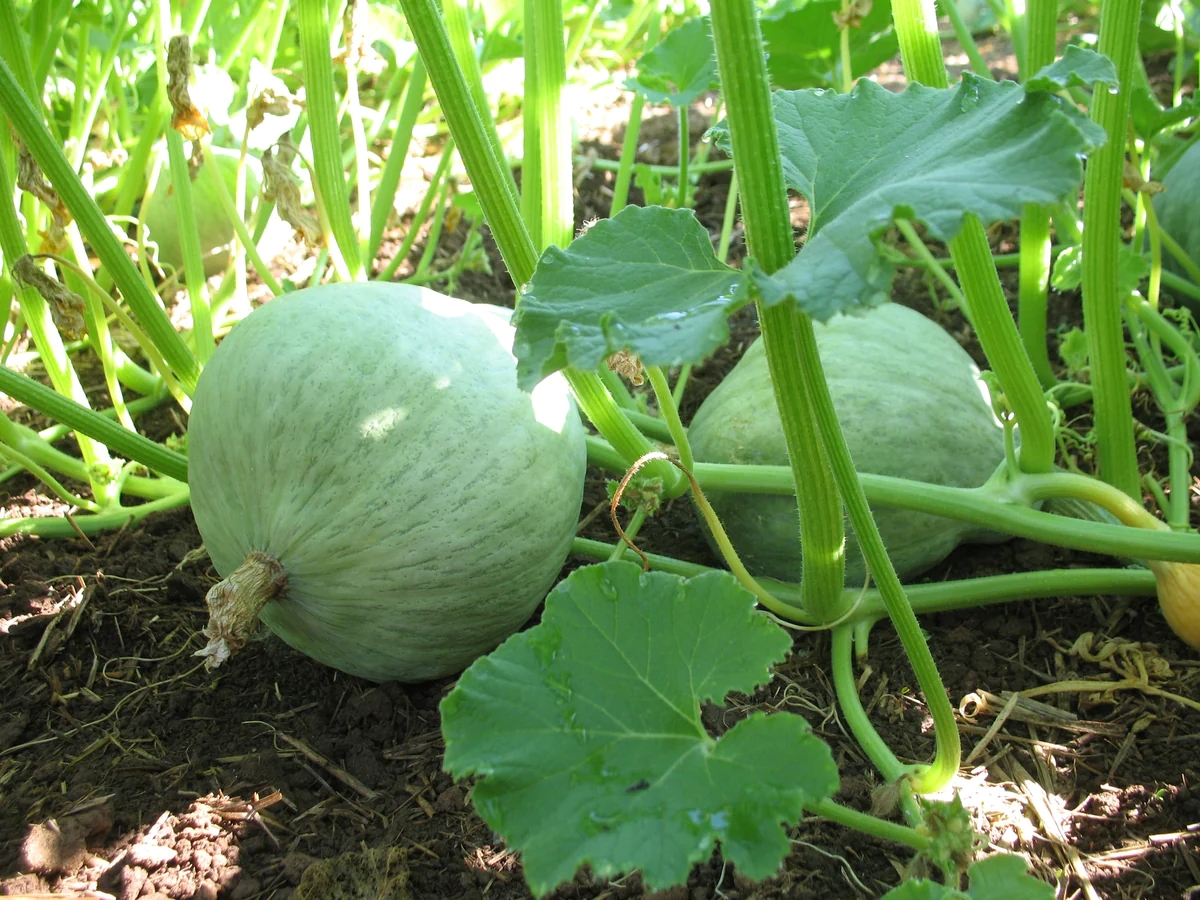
x=215 y=229
x=372 y=483
x=911 y=405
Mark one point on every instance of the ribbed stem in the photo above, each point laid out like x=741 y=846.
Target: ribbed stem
x=389 y=180
x=993 y=322
x=1033 y=290
x=787 y=333
x=86 y=421
x=329 y=172
x=497 y=195
x=555 y=219
x=1103 y=327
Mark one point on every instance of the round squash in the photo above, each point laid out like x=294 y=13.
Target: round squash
x=911 y=405
x=216 y=231
x=372 y=483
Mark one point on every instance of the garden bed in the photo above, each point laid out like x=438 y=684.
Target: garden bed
x=129 y=770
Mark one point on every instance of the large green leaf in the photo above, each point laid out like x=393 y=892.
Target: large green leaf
x=865 y=158
x=646 y=279
x=587 y=735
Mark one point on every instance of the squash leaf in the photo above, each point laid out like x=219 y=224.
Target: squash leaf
x=1067 y=274
x=586 y=732
x=681 y=68
x=1000 y=877
x=645 y=280
x=1077 y=66
x=803 y=42
x=868 y=157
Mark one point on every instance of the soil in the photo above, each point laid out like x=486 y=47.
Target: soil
x=127 y=770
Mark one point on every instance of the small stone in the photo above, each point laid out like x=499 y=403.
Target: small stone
x=150 y=856
x=133 y=879
x=49 y=850
x=450 y=800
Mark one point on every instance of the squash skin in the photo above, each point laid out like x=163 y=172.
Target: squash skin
x=372 y=439
x=1178 y=210
x=216 y=232
x=910 y=405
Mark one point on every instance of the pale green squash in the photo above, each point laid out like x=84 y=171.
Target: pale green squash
x=403 y=505
x=911 y=405
x=215 y=230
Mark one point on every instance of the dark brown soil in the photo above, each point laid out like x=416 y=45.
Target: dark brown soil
x=127 y=770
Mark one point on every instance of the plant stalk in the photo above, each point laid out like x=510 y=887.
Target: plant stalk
x=329 y=173
x=787 y=333
x=1102 y=302
x=498 y=197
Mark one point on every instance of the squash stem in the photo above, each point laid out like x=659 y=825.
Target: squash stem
x=1002 y=505
x=877 y=750
x=1102 y=226
x=108 y=520
x=787 y=333
x=670 y=413
x=869 y=824
x=501 y=208
x=1041 y=34
x=1033 y=290
x=940 y=596
x=234 y=603
x=768 y=231
x=921 y=51
x=329 y=173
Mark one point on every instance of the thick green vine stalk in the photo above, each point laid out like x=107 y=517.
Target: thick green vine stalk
x=787 y=332
x=87 y=421
x=547 y=186
x=921 y=50
x=389 y=180
x=501 y=207
x=1041 y=35
x=329 y=175
x=1032 y=296
x=1103 y=326
x=458 y=29
x=746 y=87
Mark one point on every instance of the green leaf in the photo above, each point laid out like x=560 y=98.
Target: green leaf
x=680 y=68
x=1067 y=274
x=865 y=158
x=921 y=889
x=1073 y=350
x=1005 y=877
x=1076 y=67
x=804 y=45
x=646 y=280
x=1150 y=117
x=587 y=735
x=1000 y=877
